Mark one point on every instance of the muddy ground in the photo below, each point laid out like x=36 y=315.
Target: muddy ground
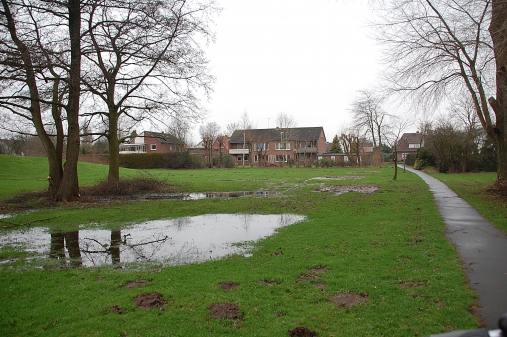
x=229 y=310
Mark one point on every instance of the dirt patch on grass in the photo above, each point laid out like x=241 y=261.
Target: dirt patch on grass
x=413 y=284
x=228 y=285
x=319 y=285
x=150 y=300
x=308 y=277
x=224 y=310
x=497 y=191
x=348 y=300
x=136 y=283
x=301 y=331
x=270 y=283
x=126 y=189
x=341 y=189
x=114 y=309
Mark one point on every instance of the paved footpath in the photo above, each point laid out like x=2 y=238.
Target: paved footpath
x=482 y=248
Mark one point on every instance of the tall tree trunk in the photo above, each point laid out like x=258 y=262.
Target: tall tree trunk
x=114 y=147
x=498 y=32
x=395 y=158
x=54 y=159
x=69 y=188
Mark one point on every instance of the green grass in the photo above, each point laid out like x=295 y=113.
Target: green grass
x=388 y=246
x=473 y=187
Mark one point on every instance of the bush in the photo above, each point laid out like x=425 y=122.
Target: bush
x=175 y=160
x=487 y=158
x=424 y=159
x=326 y=163
x=410 y=159
x=228 y=161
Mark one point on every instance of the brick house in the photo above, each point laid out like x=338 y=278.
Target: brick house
x=221 y=144
x=409 y=143
x=153 y=142
x=277 y=146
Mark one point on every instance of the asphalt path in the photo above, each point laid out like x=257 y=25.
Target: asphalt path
x=481 y=247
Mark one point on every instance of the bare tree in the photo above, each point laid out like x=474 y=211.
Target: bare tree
x=437 y=48
x=143 y=62
x=286 y=123
x=209 y=133
x=246 y=124
x=369 y=116
x=180 y=128
x=349 y=144
x=392 y=135
x=260 y=147
x=40 y=54
x=221 y=141
x=231 y=127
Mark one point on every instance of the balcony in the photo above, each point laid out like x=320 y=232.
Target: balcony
x=238 y=151
x=132 y=148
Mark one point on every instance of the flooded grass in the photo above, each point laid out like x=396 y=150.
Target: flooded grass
x=172 y=242
x=355 y=245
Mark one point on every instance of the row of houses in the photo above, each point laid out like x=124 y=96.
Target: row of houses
x=270 y=146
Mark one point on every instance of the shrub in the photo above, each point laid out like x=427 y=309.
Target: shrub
x=424 y=159
x=175 y=160
x=410 y=159
x=326 y=163
x=228 y=161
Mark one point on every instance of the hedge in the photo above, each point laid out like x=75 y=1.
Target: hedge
x=176 y=160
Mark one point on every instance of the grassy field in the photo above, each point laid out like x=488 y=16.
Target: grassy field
x=473 y=187
x=384 y=251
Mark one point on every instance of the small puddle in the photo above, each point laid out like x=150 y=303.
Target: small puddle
x=339 y=178
x=209 y=195
x=178 y=241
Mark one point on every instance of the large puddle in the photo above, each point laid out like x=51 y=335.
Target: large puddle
x=211 y=195
x=168 y=242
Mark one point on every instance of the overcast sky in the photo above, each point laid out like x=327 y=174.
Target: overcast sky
x=305 y=58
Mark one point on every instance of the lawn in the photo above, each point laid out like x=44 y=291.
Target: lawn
x=475 y=189
x=361 y=264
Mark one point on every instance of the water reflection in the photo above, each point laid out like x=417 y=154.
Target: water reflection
x=69 y=240
x=211 y=195
x=170 y=242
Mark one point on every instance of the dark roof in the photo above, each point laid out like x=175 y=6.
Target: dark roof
x=409 y=138
x=412 y=138
x=164 y=138
x=291 y=134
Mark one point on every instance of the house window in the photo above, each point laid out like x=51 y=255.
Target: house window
x=414 y=146
x=242 y=146
x=283 y=146
x=281 y=158
x=261 y=147
x=154 y=147
x=240 y=157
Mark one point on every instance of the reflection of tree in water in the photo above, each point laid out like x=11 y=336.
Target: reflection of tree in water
x=98 y=252
x=247 y=220
x=155 y=245
x=69 y=240
x=182 y=222
x=114 y=249
x=287 y=219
